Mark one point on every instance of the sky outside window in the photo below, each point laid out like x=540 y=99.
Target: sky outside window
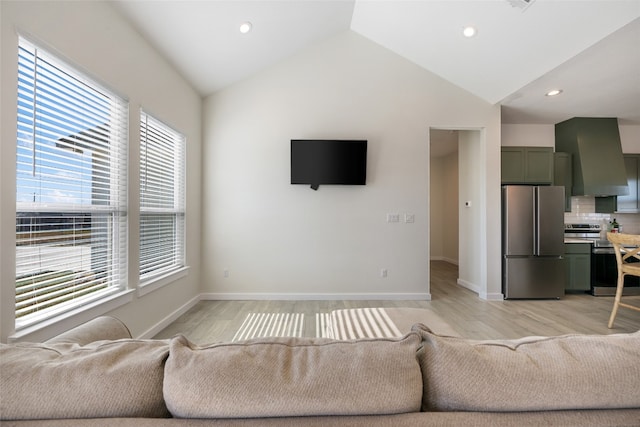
x=59 y=130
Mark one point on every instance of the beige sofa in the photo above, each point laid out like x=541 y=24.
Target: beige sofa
x=97 y=375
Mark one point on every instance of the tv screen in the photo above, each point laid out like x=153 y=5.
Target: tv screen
x=318 y=162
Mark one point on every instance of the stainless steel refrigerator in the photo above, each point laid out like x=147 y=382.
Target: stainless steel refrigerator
x=533 y=241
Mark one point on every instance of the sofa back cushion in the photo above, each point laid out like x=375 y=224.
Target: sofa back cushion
x=99 y=329
x=103 y=379
x=293 y=377
x=530 y=374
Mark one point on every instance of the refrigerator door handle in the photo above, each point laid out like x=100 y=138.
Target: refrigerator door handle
x=536 y=221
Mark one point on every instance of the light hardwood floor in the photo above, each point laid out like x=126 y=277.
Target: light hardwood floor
x=471 y=317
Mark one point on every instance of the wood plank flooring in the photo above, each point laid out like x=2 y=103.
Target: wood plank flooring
x=471 y=317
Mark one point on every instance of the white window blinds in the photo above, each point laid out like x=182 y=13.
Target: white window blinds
x=162 y=206
x=71 y=183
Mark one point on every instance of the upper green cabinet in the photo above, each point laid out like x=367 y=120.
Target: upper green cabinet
x=562 y=176
x=631 y=201
x=527 y=165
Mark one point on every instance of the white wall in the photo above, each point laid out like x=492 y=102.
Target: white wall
x=470 y=216
x=630 y=139
x=528 y=135
x=443 y=235
x=436 y=212
x=93 y=37
x=278 y=240
x=450 y=224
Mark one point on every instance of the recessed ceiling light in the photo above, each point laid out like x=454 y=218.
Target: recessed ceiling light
x=245 y=27
x=469 y=31
x=554 y=92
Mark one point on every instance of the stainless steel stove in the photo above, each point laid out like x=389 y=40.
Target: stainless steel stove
x=604 y=271
x=592 y=233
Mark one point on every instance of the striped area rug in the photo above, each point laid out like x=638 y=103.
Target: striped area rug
x=356 y=323
x=260 y=325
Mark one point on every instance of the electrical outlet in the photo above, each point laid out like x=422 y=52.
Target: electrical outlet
x=409 y=218
x=383 y=272
x=225 y=273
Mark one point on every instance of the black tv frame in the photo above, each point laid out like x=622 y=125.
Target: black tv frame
x=328 y=162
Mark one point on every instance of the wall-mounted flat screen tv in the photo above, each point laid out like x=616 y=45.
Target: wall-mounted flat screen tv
x=335 y=162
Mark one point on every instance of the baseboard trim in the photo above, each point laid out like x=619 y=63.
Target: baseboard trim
x=471 y=286
x=482 y=295
x=491 y=296
x=445 y=259
x=172 y=317
x=214 y=296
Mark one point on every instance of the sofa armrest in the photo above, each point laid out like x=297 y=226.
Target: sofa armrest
x=98 y=329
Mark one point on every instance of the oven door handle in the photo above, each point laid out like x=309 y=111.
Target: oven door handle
x=603 y=251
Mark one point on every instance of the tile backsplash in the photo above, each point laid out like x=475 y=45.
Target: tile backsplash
x=583 y=212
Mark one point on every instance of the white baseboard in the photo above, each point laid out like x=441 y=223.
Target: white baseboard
x=445 y=259
x=309 y=297
x=482 y=295
x=471 y=286
x=172 y=317
x=491 y=297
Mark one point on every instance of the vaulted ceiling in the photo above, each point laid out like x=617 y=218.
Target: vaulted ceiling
x=523 y=48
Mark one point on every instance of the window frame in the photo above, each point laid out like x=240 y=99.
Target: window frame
x=150 y=206
x=109 y=201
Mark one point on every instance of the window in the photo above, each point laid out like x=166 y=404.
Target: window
x=162 y=211
x=71 y=186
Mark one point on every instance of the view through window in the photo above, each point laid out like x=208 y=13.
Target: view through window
x=162 y=171
x=70 y=188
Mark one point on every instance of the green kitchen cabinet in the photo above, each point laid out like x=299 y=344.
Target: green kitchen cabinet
x=578 y=265
x=631 y=202
x=563 y=176
x=526 y=165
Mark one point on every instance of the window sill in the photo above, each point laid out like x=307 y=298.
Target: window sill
x=55 y=325
x=162 y=280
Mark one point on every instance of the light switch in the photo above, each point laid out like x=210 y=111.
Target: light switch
x=393 y=217
x=409 y=218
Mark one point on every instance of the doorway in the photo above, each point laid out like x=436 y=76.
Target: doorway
x=455 y=188
x=443 y=196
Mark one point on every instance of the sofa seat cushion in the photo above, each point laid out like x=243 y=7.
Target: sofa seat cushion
x=530 y=374
x=121 y=378
x=594 y=418
x=281 y=377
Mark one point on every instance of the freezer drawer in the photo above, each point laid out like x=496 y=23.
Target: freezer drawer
x=533 y=277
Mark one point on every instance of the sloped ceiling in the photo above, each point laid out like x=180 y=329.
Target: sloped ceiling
x=587 y=48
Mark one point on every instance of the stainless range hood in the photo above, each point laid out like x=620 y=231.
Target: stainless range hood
x=598 y=164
